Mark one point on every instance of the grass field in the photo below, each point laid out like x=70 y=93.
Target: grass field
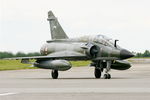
x=16 y=65
x=13 y=65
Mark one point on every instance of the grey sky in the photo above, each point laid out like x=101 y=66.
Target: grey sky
x=23 y=24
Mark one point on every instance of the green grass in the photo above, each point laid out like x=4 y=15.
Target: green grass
x=141 y=57
x=13 y=65
x=80 y=63
x=17 y=65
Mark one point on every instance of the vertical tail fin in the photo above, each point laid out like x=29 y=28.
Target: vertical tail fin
x=56 y=30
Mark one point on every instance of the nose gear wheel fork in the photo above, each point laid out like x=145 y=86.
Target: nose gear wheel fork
x=108 y=67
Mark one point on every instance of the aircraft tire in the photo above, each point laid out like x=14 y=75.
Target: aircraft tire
x=107 y=76
x=97 y=73
x=54 y=74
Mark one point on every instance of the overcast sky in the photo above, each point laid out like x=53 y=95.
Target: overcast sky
x=23 y=24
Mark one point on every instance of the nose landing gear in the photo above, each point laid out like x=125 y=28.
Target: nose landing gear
x=107 y=76
x=108 y=67
x=99 y=66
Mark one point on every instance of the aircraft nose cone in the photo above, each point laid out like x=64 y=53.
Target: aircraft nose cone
x=124 y=54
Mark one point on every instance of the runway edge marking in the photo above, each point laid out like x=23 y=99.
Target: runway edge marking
x=5 y=94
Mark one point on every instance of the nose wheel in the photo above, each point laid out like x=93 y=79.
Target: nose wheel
x=54 y=74
x=107 y=76
x=99 y=66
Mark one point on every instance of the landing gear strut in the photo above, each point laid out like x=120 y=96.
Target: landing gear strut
x=99 y=66
x=54 y=74
x=108 y=67
x=97 y=73
x=98 y=69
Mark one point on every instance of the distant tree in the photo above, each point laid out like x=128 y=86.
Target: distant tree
x=33 y=54
x=139 y=55
x=146 y=53
x=20 y=54
x=6 y=54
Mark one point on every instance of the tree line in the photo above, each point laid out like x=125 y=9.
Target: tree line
x=146 y=53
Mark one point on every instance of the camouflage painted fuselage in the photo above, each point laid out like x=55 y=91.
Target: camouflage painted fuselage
x=80 y=46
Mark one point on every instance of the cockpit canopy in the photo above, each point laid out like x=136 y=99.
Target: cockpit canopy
x=101 y=39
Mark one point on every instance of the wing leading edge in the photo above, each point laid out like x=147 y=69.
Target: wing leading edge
x=49 y=57
x=67 y=55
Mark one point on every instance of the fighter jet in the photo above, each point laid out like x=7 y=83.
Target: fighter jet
x=56 y=54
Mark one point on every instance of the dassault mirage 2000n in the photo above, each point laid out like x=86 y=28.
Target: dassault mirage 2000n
x=104 y=53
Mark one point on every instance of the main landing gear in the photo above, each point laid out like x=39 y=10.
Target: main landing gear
x=54 y=74
x=99 y=69
x=97 y=73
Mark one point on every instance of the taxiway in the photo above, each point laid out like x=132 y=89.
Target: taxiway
x=76 y=84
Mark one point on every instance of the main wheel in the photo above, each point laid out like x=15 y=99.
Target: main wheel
x=54 y=74
x=97 y=73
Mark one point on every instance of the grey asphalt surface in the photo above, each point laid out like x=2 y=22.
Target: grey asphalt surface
x=77 y=83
